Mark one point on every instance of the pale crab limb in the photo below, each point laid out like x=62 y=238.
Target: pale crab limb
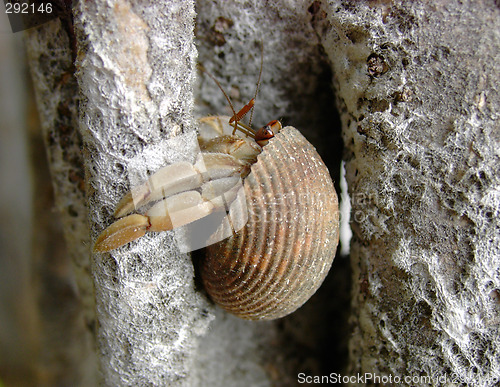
x=121 y=232
x=241 y=149
x=216 y=172
x=178 y=177
x=217 y=126
x=234 y=201
x=178 y=210
x=167 y=181
x=172 y=212
x=184 y=176
x=226 y=199
x=212 y=189
x=186 y=207
x=218 y=165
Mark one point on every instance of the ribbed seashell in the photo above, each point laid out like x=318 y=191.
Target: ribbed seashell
x=280 y=258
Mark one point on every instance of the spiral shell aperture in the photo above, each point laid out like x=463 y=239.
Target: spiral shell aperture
x=280 y=258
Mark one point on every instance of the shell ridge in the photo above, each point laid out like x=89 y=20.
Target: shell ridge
x=295 y=261
x=269 y=280
x=283 y=274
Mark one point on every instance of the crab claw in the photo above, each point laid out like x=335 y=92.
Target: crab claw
x=171 y=212
x=122 y=232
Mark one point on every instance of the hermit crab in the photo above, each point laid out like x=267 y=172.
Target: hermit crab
x=279 y=256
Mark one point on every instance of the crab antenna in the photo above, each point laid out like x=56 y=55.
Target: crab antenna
x=236 y=116
x=200 y=66
x=258 y=81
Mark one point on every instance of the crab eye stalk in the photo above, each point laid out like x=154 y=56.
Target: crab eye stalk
x=264 y=134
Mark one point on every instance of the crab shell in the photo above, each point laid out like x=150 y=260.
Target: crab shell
x=280 y=258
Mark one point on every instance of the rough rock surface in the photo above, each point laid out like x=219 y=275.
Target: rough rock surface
x=415 y=85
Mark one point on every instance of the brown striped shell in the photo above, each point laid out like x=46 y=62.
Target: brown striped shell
x=280 y=258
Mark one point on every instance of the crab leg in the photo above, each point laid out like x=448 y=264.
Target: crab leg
x=178 y=210
x=179 y=177
x=172 y=212
x=181 y=193
x=167 y=181
x=121 y=232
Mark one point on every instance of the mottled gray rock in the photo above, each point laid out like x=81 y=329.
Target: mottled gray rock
x=415 y=88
